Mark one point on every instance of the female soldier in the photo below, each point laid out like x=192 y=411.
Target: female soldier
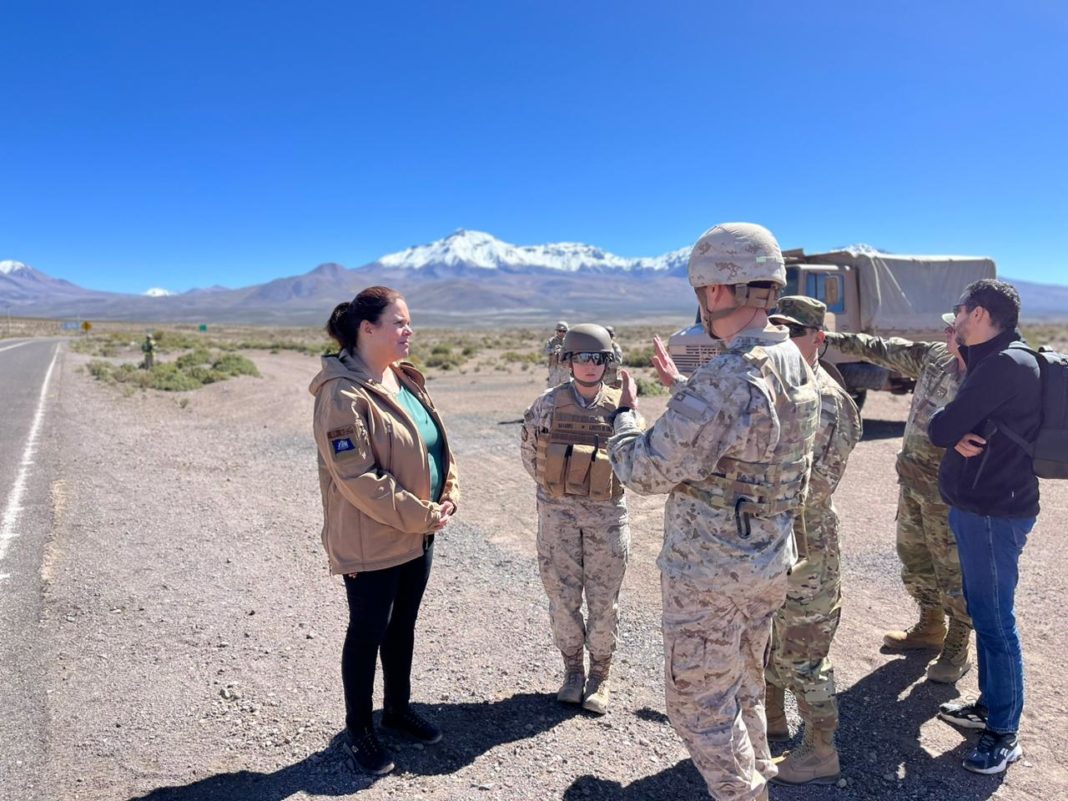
x=388 y=482
x=583 y=536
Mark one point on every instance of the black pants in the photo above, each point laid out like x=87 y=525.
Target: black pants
x=383 y=606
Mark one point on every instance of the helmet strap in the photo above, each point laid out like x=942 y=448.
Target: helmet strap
x=744 y=296
x=707 y=315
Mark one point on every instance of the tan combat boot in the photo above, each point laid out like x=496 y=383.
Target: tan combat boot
x=953 y=662
x=929 y=632
x=814 y=762
x=574 y=679
x=596 y=697
x=775 y=706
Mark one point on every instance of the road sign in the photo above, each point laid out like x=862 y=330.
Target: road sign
x=87 y=326
x=71 y=326
x=202 y=327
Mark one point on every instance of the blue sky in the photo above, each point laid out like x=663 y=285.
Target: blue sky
x=184 y=144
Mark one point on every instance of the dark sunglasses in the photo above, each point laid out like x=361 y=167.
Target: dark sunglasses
x=589 y=358
x=798 y=330
x=958 y=307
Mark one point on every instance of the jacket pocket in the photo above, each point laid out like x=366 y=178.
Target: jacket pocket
x=347 y=530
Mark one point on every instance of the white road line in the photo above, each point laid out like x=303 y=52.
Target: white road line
x=16 y=345
x=14 y=501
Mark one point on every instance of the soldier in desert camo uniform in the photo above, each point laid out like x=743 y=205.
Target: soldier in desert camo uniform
x=553 y=350
x=733 y=450
x=583 y=535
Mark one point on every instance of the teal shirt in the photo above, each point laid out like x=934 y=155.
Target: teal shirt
x=431 y=436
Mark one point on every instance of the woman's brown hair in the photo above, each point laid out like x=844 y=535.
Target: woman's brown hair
x=344 y=323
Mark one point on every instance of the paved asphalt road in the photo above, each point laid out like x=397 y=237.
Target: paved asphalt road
x=27 y=442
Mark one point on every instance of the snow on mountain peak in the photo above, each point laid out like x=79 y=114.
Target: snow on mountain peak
x=157 y=292
x=482 y=250
x=9 y=266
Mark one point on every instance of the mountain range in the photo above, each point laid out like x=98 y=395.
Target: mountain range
x=469 y=278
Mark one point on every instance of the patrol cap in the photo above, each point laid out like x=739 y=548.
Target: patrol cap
x=800 y=310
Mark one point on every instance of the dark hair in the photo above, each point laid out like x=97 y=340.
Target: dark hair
x=344 y=323
x=1000 y=299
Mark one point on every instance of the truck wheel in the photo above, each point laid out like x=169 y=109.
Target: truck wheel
x=859 y=396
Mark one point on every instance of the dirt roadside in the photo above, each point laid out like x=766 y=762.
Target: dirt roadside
x=194 y=636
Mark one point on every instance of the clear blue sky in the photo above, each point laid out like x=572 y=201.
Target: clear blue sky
x=180 y=143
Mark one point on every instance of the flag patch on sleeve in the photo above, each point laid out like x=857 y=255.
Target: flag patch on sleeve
x=341 y=445
x=341 y=440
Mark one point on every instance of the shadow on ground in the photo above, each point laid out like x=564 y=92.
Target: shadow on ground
x=879 y=743
x=471 y=729
x=882 y=429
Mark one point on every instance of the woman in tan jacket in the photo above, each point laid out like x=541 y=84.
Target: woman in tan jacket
x=388 y=483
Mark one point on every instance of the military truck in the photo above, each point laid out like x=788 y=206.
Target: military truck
x=868 y=292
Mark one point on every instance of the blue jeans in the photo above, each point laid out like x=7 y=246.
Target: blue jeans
x=990 y=550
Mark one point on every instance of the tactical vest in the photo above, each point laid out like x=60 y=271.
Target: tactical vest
x=571 y=457
x=757 y=489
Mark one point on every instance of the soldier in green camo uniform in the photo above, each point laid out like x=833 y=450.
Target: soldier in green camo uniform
x=733 y=449
x=583 y=530
x=803 y=629
x=925 y=544
x=553 y=350
x=148 y=347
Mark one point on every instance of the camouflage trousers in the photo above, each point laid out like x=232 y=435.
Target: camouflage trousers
x=583 y=548
x=803 y=628
x=930 y=564
x=715 y=651
x=559 y=374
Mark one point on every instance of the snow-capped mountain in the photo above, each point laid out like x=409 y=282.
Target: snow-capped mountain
x=21 y=284
x=10 y=266
x=469 y=278
x=157 y=292
x=480 y=250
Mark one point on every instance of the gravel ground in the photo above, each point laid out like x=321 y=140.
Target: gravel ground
x=193 y=636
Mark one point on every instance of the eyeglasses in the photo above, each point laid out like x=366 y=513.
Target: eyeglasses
x=798 y=330
x=589 y=358
x=561 y=330
x=958 y=307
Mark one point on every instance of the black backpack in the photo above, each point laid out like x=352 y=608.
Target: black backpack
x=1049 y=449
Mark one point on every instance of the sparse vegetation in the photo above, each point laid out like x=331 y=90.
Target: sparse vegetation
x=190 y=371
x=1052 y=335
x=638 y=357
x=650 y=386
x=513 y=357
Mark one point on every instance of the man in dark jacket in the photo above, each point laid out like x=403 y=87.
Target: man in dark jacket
x=988 y=483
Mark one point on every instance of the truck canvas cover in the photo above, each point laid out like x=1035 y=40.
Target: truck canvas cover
x=903 y=293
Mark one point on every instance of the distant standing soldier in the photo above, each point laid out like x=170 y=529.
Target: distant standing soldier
x=148 y=347
x=615 y=345
x=583 y=536
x=928 y=552
x=558 y=371
x=733 y=449
x=803 y=629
